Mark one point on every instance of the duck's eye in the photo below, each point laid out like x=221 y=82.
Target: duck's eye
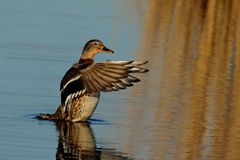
x=95 y=43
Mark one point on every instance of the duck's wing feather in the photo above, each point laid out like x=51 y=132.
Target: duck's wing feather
x=97 y=77
x=72 y=84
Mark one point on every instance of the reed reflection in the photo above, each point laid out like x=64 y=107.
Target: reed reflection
x=77 y=141
x=190 y=100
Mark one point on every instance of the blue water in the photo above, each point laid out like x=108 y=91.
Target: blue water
x=39 y=41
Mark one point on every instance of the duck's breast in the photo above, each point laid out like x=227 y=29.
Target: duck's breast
x=84 y=107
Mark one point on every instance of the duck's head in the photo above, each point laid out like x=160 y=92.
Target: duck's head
x=93 y=47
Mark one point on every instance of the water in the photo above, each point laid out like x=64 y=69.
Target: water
x=186 y=107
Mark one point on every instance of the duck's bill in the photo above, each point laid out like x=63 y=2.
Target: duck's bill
x=105 y=49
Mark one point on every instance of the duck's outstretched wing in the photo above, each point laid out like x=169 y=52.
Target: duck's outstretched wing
x=97 y=77
x=111 y=75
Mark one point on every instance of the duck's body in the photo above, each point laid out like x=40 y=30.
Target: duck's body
x=81 y=109
x=81 y=85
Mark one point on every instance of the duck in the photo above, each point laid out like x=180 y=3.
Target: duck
x=82 y=84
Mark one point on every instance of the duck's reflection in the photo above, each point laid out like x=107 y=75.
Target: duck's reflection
x=77 y=141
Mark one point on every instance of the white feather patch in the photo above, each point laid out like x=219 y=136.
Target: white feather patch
x=74 y=95
x=71 y=80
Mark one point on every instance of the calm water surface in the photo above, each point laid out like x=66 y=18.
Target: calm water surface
x=186 y=107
